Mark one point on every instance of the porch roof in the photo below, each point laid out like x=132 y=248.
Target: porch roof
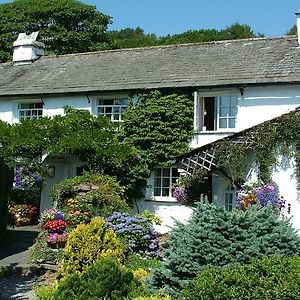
x=207 y=65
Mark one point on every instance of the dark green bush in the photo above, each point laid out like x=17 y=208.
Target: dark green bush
x=273 y=278
x=103 y=280
x=95 y=193
x=216 y=237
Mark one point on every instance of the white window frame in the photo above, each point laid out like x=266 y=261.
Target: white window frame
x=116 y=109
x=32 y=111
x=199 y=111
x=151 y=189
x=228 y=116
x=229 y=199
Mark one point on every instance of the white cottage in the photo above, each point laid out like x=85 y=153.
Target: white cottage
x=235 y=85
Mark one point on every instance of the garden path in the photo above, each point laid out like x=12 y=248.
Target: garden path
x=14 y=256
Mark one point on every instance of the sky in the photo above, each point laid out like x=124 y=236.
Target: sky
x=162 y=17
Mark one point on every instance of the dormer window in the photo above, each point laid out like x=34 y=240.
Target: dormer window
x=217 y=113
x=32 y=110
x=112 y=108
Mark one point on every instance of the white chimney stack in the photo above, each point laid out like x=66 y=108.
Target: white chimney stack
x=27 y=49
x=298 y=26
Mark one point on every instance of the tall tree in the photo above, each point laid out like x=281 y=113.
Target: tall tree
x=130 y=38
x=66 y=26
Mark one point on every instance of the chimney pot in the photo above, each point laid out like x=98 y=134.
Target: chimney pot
x=27 y=49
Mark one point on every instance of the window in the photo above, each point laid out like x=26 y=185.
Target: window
x=30 y=110
x=163 y=180
x=229 y=198
x=217 y=113
x=112 y=108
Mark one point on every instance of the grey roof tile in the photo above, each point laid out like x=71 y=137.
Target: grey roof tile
x=225 y=63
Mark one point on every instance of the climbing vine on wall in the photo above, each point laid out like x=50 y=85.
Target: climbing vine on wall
x=159 y=125
x=270 y=139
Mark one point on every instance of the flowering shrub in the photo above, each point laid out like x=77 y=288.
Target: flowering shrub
x=27 y=177
x=139 y=233
x=22 y=214
x=262 y=196
x=180 y=194
x=50 y=215
x=57 y=238
x=55 y=226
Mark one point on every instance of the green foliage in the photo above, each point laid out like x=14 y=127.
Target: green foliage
x=273 y=278
x=45 y=292
x=134 y=262
x=153 y=297
x=151 y=217
x=159 y=125
x=102 y=194
x=42 y=253
x=104 y=280
x=131 y=38
x=66 y=26
x=89 y=243
x=235 y=31
x=217 y=237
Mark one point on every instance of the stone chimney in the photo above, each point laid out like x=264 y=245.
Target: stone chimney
x=298 y=26
x=27 y=49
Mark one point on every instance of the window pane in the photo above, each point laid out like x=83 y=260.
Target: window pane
x=157 y=192
x=121 y=102
x=223 y=111
x=166 y=172
x=157 y=172
x=165 y=192
x=166 y=182
x=224 y=101
x=233 y=101
x=108 y=110
x=232 y=111
x=157 y=182
x=106 y=102
x=223 y=123
x=231 y=123
x=100 y=110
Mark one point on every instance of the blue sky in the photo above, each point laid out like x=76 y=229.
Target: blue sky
x=271 y=17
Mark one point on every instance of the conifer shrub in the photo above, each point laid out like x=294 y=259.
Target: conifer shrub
x=88 y=243
x=274 y=278
x=217 y=237
x=103 y=280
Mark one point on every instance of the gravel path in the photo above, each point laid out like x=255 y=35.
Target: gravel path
x=19 y=288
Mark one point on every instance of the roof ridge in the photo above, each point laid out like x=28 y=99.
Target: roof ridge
x=287 y=37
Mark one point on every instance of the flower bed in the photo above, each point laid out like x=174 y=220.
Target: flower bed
x=22 y=214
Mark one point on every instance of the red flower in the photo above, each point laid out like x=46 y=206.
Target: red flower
x=55 y=225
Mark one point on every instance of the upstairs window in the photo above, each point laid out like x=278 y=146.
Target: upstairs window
x=112 y=108
x=217 y=113
x=164 y=178
x=30 y=110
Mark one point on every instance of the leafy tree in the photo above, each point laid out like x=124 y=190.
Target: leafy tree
x=66 y=26
x=235 y=31
x=131 y=38
x=217 y=237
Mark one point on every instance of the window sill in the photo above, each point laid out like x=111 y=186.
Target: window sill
x=162 y=199
x=218 y=131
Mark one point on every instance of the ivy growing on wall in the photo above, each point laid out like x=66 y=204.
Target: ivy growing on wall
x=159 y=125
x=269 y=140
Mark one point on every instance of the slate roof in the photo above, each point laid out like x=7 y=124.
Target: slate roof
x=215 y=64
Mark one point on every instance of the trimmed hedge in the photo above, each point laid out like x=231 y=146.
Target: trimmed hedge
x=270 y=278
